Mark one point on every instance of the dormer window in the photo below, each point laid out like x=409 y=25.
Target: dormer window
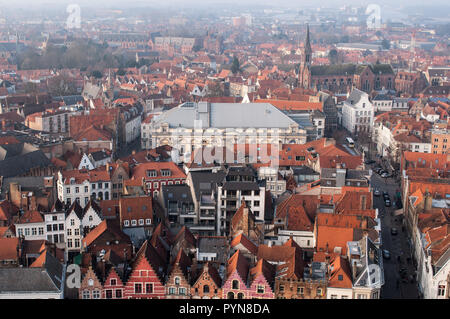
x=165 y=172
x=151 y=173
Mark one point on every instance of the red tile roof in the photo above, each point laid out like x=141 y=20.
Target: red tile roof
x=8 y=248
x=140 y=171
x=31 y=216
x=244 y=241
x=264 y=268
x=289 y=105
x=340 y=275
x=135 y=208
x=238 y=263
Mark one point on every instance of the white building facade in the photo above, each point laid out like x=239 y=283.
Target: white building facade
x=357 y=112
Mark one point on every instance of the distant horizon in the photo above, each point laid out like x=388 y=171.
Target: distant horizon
x=272 y=3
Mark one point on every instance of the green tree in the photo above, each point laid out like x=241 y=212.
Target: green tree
x=97 y=74
x=61 y=85
x=386 y=44
x=333 y=56
x=30 y=87
x=235 y=66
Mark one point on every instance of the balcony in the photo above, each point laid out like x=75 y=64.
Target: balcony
x=208 y=215
x=230 y=196
x=200 y=227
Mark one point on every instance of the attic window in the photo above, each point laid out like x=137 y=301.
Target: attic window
x=129 y=208
x=340 y=277
x=144 y=207
x=165 y=172
x=151 y=173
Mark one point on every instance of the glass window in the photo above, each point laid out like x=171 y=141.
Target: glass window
x=96 y=294
x=149 y=288
x=137 y=288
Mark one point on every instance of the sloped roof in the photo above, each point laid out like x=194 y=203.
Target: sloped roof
x=46 y=278
x=244 y=241
x=8 y=248
x=264 y=268
x=238 y=263
x=154 y=259
x=340 y=275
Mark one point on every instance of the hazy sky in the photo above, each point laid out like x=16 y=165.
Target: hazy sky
x=299 y=3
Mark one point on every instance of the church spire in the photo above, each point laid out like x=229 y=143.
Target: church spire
x=307 y=48
x=304 y=72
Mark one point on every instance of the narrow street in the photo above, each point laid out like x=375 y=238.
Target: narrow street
x=395 y=286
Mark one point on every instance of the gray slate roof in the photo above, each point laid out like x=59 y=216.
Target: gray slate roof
x=228 y=115
x=47 y=279
x=19 y=165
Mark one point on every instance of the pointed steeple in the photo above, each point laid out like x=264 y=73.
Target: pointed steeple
x=307 y=48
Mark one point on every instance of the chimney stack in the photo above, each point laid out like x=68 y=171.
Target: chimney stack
x=428 y=201
x=354 y=269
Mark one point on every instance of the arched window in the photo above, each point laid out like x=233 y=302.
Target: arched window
x=235 y=284
x=177 y=280
x=230 y=295
x=106 y=195
x=240 y=295
x=205 y=289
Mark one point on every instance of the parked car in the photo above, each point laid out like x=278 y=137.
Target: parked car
x=387 y=203
x=386 y=195
x=394 y=231
x=376 y=192
x=386 y=254
x=385 y=175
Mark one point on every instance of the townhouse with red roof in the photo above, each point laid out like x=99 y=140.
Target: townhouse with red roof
x=333 y=231
x=294 y=219
x=237 y=272
x=107 y=237
x=262 y=279
x=207 y=284
x=179 y=277
x=425 y=195
x=31 y=225
x=340 y=284
x=90 y=286
x=135 y=212
x=147 y=277
x=82 y=185
x=113 y=285
x=156 y=174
